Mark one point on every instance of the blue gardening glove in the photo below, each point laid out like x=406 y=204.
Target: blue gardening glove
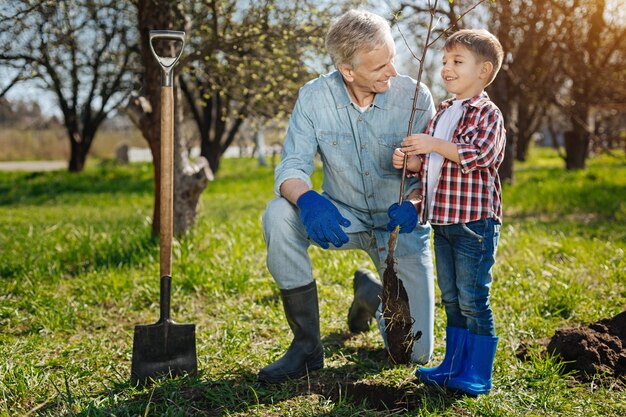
x=403 y=215
x=322 y=220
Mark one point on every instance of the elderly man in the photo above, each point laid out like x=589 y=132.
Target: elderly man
x=354 y=118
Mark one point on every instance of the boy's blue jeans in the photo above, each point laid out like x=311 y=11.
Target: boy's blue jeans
x=464 y=255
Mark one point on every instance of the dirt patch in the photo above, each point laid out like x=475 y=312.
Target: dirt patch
x=378 y=396
x=591 y=352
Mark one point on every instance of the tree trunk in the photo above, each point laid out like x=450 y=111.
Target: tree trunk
x=524 y=133
x=259 y=147
x=189 y=180
x=505 y=171
x=576 y=148
x=213 y=154
x=577 y=139
x=501 y=94
x=77 y=156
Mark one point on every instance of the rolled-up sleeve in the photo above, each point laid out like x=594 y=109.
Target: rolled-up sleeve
x=486 y=143
x=299 y=148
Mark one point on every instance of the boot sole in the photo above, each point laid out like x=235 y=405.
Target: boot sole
x=469 y=391
x=277 y=379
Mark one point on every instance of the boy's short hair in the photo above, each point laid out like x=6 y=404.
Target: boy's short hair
x=481 y=43
x=355 y=31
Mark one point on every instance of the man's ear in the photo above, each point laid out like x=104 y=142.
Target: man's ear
x=346 y=71
x=486 y=70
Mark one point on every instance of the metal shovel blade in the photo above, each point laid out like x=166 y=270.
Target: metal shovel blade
x=165 y=348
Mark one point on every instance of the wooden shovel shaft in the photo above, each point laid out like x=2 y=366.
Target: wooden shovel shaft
x=167 y=183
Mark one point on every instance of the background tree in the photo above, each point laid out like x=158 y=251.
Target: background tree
x=80 y=50
x=595 y=51
x=247 y=63
x=563 y=59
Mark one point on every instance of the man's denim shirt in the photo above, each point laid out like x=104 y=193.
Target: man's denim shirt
x=355 y=147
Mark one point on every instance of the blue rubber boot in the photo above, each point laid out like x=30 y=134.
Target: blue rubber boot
x=452 y=364
x=476 y=376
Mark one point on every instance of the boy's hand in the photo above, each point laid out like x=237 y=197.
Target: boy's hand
x=322 y=220
x=421 y=144
x=418 y=144
x=403 y=215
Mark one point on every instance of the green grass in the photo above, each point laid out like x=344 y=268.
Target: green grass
x=78 y=269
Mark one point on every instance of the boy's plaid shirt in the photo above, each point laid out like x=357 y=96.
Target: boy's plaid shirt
x=469 y=191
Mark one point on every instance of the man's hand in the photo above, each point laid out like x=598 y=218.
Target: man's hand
x=322 y=220
x=413 y=163
x=404 y=215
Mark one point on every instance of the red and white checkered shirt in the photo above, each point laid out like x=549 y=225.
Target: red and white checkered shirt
x=469 y=191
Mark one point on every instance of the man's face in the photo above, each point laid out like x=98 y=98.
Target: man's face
x=373 y=69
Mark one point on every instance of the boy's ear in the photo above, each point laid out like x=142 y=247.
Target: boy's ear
x=346 y=71
x=486 y=69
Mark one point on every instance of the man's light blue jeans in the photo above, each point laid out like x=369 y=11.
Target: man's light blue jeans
x=290 y=265
x=464 y=255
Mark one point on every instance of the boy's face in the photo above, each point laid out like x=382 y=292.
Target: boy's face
x=463 y=73
x=374 y=69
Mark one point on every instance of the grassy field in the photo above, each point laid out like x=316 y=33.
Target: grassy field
x=78 y=269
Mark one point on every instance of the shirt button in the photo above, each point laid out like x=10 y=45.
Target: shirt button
x=360 y=119
x=367 y=173
x=370 y=196
x=363 y=146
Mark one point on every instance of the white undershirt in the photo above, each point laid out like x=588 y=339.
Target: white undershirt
x=445 y=128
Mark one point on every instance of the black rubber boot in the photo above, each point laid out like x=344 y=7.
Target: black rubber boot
x=367 y=297
x=306 y=353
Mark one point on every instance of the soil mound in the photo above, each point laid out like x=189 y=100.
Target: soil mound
x=598 y=350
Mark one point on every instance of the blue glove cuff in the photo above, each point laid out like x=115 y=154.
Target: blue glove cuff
x=308 y=199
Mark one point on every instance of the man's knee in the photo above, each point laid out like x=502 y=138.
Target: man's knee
x=278 y=214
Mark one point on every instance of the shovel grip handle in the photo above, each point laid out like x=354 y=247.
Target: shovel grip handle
x=166 y=63
x=166 y=203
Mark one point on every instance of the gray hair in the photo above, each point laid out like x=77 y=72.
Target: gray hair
x=354 y=31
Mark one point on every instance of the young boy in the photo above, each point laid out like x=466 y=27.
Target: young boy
x=458 y=159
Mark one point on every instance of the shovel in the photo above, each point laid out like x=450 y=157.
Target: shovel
x=165 y=348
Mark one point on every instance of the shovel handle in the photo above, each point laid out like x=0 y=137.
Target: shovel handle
x=167 y=63
x=166 y=202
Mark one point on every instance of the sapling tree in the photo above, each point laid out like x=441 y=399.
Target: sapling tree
x=396 y=311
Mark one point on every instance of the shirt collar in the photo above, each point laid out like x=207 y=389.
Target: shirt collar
x=477 y=101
